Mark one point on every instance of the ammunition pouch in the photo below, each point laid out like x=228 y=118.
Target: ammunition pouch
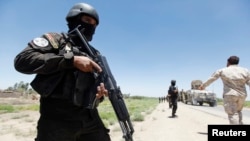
x=57 y=85
x=84 y=93
x=46 y=84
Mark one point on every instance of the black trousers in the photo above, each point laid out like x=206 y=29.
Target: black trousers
x=90 y=129
x=174 y=105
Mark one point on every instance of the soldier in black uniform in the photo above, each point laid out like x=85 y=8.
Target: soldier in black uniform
x=173 y=96
x=63 y=70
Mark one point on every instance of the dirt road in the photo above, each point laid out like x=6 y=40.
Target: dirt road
x=189 y=125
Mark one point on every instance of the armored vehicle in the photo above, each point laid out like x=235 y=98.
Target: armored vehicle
x=196 y=96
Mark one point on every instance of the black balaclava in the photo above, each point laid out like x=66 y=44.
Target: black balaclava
x=88 y=30
x=173 y=82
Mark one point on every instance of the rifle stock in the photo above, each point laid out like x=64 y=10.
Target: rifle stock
x=114 y=92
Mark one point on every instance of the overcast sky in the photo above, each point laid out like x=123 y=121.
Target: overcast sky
x=146 y=42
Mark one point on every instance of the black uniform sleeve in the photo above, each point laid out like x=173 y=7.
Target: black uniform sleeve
x=42 y=58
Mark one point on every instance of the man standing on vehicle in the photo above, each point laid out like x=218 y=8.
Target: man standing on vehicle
x=235 y=79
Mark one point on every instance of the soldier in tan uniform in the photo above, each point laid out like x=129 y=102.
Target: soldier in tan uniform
x=235 y=79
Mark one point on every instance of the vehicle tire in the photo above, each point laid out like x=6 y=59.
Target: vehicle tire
x=201 y=103
x=213 y=104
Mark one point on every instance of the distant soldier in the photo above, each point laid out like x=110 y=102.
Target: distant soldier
x=173 y=97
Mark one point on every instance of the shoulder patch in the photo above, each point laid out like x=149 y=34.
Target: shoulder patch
x=52 y=40
x=41 y=42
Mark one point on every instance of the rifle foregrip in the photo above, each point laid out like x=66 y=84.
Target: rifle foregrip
x=120 y=109
x=123 y=116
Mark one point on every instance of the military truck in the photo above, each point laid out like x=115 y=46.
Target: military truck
x=196 y=96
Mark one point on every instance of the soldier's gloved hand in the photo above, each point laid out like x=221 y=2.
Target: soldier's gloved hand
x=85 y=64
x=101 y=91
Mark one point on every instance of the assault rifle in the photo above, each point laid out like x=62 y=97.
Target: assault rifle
x=114 y=92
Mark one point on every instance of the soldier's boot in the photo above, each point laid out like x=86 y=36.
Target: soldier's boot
x=173 y=113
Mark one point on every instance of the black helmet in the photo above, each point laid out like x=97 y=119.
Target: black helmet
x=173 y=82
x=82 y=8
x=73 y=19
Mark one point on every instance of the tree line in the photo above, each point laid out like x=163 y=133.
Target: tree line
x=21 y=87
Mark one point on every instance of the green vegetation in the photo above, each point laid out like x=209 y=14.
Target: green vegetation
x=15 y=108
x=246 y=104
x=6 y=109
x=137 y=106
